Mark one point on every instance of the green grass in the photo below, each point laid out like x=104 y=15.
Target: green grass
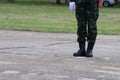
x=47 y=16
x=109 y=21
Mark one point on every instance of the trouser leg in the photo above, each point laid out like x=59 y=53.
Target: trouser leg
x=81 y=31
x=81 y=22
x=92 y=16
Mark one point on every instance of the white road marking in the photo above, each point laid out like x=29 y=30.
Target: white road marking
x=107 y=58
x=5 y=62
x=107 y=72
x=56 y=76
x=86 y=79
x=11 y=72
x=101 y=76
x=112 y=68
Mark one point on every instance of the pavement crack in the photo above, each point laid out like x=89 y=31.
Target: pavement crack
x=53 y=44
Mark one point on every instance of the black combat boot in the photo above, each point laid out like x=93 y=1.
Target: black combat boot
x=89 y=49
x=81 y=52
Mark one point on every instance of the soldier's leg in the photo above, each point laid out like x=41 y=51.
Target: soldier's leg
x=81 y=31
x=92 y=16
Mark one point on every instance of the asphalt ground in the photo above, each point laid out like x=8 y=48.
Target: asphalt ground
x=48 y=56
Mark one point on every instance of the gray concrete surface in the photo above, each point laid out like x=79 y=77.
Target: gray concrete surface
x=48 y=56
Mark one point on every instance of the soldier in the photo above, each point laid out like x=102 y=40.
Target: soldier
x=86 y=15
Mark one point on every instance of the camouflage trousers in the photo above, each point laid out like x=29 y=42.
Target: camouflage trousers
x=87 y=14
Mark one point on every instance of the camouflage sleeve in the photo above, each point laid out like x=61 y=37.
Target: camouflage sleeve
x=72 y=0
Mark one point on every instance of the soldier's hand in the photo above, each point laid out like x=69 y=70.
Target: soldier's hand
x=71 y=7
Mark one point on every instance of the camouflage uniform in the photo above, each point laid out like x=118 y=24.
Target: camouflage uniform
x=86 y=15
